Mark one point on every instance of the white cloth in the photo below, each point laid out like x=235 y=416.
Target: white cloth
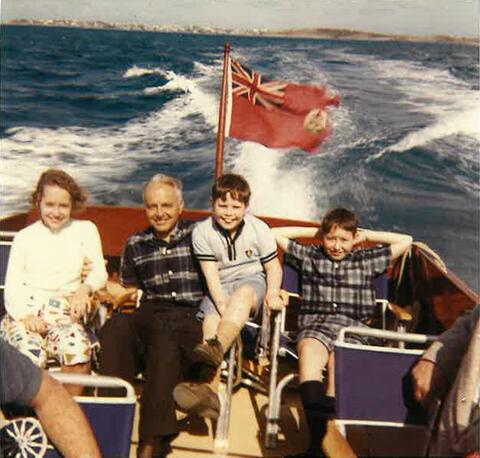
x=45 y=264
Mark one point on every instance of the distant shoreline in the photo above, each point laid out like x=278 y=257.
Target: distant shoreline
x=320 y=33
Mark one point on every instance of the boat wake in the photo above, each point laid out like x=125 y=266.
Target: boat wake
x=453 y=105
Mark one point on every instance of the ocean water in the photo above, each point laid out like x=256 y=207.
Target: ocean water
x=114 y=107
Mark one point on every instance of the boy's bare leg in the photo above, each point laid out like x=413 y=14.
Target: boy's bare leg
x=242 y=301
x=313 y=358
x=210 y=326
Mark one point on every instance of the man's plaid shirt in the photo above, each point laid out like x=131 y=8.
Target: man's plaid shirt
x=165 y=271
x=339 y=287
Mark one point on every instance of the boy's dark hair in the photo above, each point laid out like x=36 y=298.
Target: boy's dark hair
x=236 y=185
x=342 y=218
x=56 y=177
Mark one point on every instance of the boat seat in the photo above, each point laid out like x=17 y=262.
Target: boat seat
x=111 y=419
x=374 y=394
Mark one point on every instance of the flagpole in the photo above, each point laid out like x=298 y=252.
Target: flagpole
x=222 y=114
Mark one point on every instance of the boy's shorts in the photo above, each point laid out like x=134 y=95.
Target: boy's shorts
x=257 y=282
x=326 y=328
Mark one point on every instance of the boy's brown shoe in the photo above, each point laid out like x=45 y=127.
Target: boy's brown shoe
x=197 y=398
x=210 y=353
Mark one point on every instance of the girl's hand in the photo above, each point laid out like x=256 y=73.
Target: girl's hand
x=80 y=303
x=34 y=323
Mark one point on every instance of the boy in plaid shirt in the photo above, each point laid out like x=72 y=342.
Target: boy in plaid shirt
x=337 y=292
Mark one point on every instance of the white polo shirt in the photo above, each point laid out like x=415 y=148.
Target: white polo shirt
x=238 y=257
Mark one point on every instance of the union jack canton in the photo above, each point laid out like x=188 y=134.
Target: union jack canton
x=258 y=89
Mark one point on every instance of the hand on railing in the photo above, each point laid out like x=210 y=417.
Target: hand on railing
x=276 y=300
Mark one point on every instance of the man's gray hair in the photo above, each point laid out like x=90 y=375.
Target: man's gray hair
x=160 y=178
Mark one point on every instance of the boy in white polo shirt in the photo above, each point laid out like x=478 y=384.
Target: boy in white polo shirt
x=238 y=256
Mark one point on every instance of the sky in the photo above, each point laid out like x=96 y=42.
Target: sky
x=413 y=17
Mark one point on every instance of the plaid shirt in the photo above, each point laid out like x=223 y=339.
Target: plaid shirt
x=165 y=271
x=339 y=287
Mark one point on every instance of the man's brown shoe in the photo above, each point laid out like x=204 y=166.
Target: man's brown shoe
x=210 y=353
x=197 y=398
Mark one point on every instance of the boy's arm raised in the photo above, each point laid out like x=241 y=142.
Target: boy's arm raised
x=399 y=243
x=284 y=234
x=212 y=276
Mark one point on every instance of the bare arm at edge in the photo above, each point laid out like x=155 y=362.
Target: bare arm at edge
x=63 y=420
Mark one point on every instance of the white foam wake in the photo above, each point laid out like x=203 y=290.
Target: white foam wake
x=452 y=104
x=100 y=157
x=277 y=190
x=464 y=123
x=136 y=72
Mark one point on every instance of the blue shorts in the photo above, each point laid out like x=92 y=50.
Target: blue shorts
x=257 y=282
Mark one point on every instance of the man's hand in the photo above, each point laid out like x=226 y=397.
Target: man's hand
x=34 y=323
x=274 y=300
x=429 y=382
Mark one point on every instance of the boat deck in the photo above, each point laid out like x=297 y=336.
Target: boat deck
x=247 y=427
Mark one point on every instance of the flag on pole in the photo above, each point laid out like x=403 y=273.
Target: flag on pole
x=276 y=114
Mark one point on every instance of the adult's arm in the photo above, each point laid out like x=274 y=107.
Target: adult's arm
x=63 y=420
x=447 y=352
x=24 y=383
x=438 y=366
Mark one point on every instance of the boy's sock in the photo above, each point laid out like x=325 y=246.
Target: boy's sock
x=319 y=408
x=227 y=332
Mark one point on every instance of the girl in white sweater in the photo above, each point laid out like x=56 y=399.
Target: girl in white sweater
x=45 y=297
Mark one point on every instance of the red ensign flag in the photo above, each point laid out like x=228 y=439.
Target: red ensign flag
x=278 y=114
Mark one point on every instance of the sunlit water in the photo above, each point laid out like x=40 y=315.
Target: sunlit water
x=115 y=107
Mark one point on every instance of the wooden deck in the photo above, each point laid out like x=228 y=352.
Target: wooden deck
x=247 y=426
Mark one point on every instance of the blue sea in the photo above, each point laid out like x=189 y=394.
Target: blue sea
x=114 y=107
